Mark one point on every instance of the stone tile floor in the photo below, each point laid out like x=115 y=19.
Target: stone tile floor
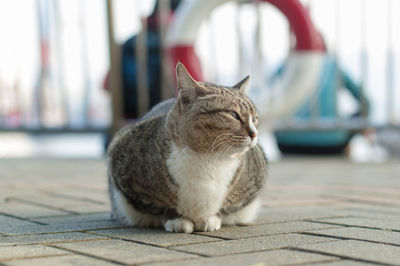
x=319 y=211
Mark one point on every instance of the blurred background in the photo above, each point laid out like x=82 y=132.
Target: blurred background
x=74 y=71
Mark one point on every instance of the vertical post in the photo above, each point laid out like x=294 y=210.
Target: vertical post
x=141 y=57
x=115 y=72
x=338 y=76
x=38 y=101
x=239 y=36
x=167 y=83
x=258 y=55
x=60 y=58
x=211 y=67
x=87 y=86
x=390 y=95
x=315 y=102
x=364 y=57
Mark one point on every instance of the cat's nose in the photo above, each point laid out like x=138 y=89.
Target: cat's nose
x=252 y=134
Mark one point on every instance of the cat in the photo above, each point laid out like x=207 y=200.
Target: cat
x=191 y=163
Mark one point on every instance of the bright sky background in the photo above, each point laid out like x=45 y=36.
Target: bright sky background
x=83 y=39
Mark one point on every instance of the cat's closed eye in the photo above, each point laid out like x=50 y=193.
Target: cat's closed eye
x=234 y=115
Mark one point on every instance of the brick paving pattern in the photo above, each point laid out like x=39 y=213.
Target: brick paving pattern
x=325 y=211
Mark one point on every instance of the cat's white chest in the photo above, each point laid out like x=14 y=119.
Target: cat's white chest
x=202 y=179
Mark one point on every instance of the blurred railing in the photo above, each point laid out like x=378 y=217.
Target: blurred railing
x=53 y=61
x=363 y=42
x=361 y=39
x=64 y=91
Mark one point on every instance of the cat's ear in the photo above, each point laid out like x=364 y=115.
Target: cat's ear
x=188 y=87
x=242 y=85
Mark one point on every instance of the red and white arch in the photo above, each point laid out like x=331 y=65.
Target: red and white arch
x=303 y=66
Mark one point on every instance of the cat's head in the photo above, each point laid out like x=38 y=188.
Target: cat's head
x=212 y=118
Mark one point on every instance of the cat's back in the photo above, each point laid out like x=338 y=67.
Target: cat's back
x=136 y=134
x=142 y=131
x=136 y=161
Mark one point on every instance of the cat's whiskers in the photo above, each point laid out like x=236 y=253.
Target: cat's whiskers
x=230 y=143
x=218 y=139
x=217 y=145
x=259 y=157
x=230 y=138
x=221 y=145
x=224 y=145
x=255 y=153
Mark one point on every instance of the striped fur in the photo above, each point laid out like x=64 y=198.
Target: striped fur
x=190 y=164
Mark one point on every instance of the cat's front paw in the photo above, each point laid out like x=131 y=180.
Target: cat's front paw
x=208 y=224
x=179 y=225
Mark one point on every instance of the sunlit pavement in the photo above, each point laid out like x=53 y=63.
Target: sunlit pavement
x=320 y=211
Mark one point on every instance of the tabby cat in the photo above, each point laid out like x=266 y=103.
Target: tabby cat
x=190 y=164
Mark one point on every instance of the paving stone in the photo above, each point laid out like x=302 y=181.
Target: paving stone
x=365 y=222
x=66 y=260
x=287 y=214
x=383 y=236
x=237 y=232
x=98 y=186
x=362 y=195
x=75 y=218
x=27 y=210
x=125 y=251
x=343 y=263
x=251 y=244
x=94 y=196
x=364 y=191
x=383 y=198
x=375 y=209
x=302 y=201
x=30 y=251
x=373 y=213
x=9 y=222
x=155 y=237
x=359 y=250
x=63 y=204
x=53 y=169
x=274 y=257
x=24 y=229
x=6 y=220
x=46 y=238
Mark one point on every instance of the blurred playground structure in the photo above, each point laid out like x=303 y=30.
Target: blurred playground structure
x=55 y=55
